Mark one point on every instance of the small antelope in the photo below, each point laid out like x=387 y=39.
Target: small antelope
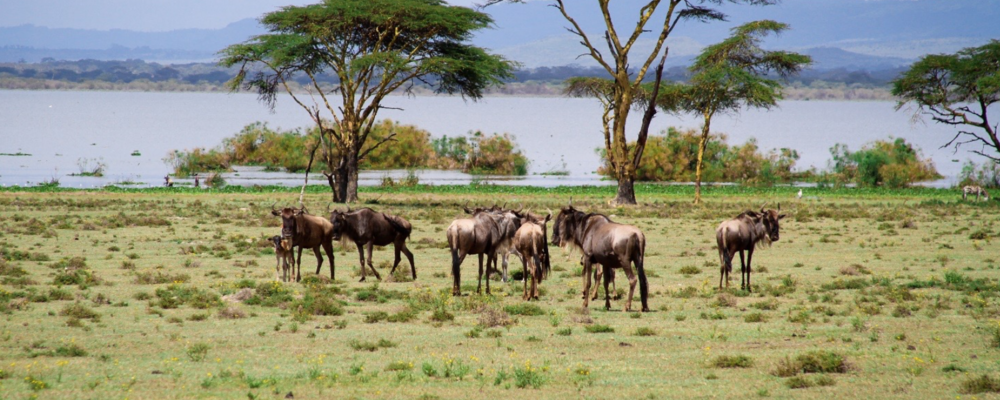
x=976 y=190
x=285 y=256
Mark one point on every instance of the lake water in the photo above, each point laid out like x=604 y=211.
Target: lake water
x=63 y=131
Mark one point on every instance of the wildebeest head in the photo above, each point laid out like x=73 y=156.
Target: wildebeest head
x=339 y=220
x=289 y=220
x=566 y=221
x=770 y=218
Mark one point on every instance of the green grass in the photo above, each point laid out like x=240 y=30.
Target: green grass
x=120 y=293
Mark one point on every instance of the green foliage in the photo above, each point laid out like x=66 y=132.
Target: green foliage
x=408 y=147
x=740 y=361
x=894 y=164
x=980 y=384
x=986 y=174
x=957 y=89
x=673 y=157
x=198 y=351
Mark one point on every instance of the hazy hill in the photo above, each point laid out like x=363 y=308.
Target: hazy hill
x=853 y=34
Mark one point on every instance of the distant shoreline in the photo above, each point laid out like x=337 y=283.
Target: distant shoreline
x=835 y=92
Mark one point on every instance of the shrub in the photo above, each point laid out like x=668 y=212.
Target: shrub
x=673 y=156
x=527 y=309
x=982 y=384
x=645 y=331
x=882 y=163
x=198 y=351
x=740 y=361
x=598 y=328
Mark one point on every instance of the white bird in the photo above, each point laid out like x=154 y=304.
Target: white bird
x=800 y=194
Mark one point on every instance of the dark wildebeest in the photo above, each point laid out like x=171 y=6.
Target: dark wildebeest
x=486 y=233
x=285 y=258
x=365 y=227
x=746 y=231
x=531 y=242
x=610 y=244
x=307 y=232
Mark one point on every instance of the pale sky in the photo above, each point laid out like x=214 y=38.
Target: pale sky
x=142 y=15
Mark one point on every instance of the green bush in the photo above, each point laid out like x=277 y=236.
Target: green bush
x=893 y=164
x=673 y=157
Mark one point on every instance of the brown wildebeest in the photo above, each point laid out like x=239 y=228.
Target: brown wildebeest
x=367 y=228
x=487 y=232
x=746 y=231
x=532 y=245
x=285 y=257
x=307 y=232
x=610 y=244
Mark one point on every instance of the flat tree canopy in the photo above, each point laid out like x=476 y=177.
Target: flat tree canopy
x=373 y=47
x=957 y=89
x=730 y=75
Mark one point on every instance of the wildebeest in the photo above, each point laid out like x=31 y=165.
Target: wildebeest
x=285 y=258
x=307 y=232
x=744 y=232
x=367 y=228
x=487 y=232
x=610 y=244
x=976 y=190
x=532 y=245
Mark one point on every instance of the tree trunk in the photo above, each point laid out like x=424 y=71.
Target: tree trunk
x=351 y=178
x=702 y=143
x=626 y=192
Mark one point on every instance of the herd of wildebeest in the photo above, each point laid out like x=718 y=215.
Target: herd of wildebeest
x=496 y=232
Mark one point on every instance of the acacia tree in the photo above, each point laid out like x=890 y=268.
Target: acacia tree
x=627 y=80
x=957 y=89
x=731 y=75
x=373 y=48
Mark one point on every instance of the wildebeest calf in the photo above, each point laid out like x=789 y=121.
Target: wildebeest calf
x=532 y=244
x=285 y=257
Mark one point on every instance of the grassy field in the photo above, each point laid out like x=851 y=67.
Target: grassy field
x=869 y=293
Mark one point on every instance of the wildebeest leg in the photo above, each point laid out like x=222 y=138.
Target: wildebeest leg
x=536 y=276
x=319 y=259
x=361 y=256
x=328 y=248
x=298 y=274
x=632 y=280
x=526 y=269
x=479 y=285
x=277 y=268
x=727 y=260
x=586 y=280
x=490 y=257
x=607 y=281
x=409 y=257
x=371 y=245
x=743 y=268
x=598 y=273
x=749 y=258
x=456 y=271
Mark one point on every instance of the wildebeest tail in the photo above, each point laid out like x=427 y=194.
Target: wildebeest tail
x=400 y=225
x=727 y=261
x=639 y=253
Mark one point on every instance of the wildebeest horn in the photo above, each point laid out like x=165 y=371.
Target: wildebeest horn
x=762 y=206
x=328 y=207
x=779 y=206
x=272 y=206
x=466 y=207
